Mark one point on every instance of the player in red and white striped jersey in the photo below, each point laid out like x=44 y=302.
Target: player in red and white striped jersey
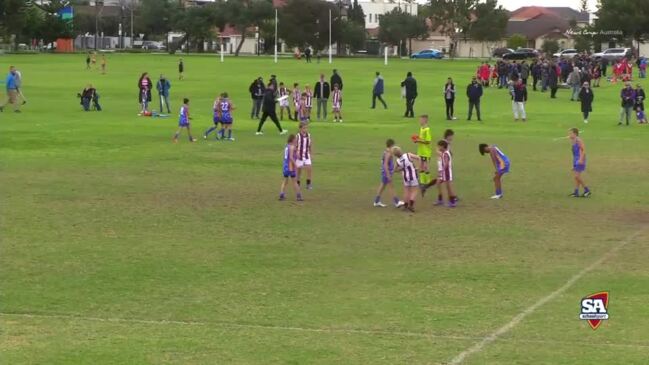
x=337 y=104
x=303 y=154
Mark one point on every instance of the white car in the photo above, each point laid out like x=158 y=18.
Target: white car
x=613 y=54
x=566 y=53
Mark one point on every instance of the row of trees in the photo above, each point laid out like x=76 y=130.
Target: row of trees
x=304 y=22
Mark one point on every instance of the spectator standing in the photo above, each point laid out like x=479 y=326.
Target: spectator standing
x=336 y=79
x=181 y=69
x=536 y=73
x=553 y=79
x=604 y=66
x=19 y=87
x=268 y=110
x=410 y=85
x=144 y=85
x=639 y=97
x=307 y=54
x=256 y=90
x=12 y=90
x=628 y=101
x=525 y=72
x=163 y=85
x=574 y=80
x=474 y=93
x=586 y=98
x=321 y=93
x=377 y=90
x=449 y=99
x=519 y=98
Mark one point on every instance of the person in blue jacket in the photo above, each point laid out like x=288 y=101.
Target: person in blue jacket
x=163 y=87
x=377 y=91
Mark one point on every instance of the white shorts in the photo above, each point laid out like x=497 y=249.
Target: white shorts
x=412 y=183
x=283 y=103
x=302 y=163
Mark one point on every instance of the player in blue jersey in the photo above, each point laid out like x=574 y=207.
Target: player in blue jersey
x=216 y=108
x=289 y=168
x=501 y=163
x=226 y=107
x=578 y=162
x=387 y=170
x=183 y=122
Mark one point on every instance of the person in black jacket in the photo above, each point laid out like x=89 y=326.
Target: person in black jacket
x=321 y=93
x=410 y=84
x=474 y=93
x=256 y=90
x=89 y=95
x=336 y=79
x=268 y=110
x=449 y=98
x=553 y=80
x=586 y=98
x=519 y=98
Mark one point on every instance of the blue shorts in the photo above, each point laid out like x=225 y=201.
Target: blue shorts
x=384 y=178
x=504 y=170
x=288 y=173
x=226 y=119
x=579 y=167
x=183 y=124
x=216 y=120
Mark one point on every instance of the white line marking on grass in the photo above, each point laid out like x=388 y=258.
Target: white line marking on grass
x=347 y=331
x=479 y=346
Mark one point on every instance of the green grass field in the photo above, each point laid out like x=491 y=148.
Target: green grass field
x=119 y=247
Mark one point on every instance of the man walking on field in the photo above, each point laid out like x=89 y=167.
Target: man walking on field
x=11 y=83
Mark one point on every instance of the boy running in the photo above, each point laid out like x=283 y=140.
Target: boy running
x=501 y=163
x=103 y=64
x=424 y=150
x=183 y=122
x=337 y=104
x=216 y=108
x=387 y=170
x=578 y=162
x=303 y=159
x=406 y=164
x=289 y=169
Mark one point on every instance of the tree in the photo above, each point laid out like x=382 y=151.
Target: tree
x=490 y=24
x=198 y=25
x=583 y=6
x=352 y=34
x=356 y=14
x=244 y=14
x=631 y=17
x=155 y=16
x=550 y=46
x=517 y=41
x=306 y=23
x=452 y=17
x=396 y=27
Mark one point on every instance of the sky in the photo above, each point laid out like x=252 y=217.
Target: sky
x=515 y=4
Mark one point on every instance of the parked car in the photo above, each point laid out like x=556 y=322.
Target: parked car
x=613 y=54
x=499 y=52
x=428 y=53
x=153 y=45
x=521 y=54
x=566 y=53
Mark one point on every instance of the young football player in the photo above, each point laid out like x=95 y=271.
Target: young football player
x=337 y=104
x=226 y=108
x=284 y=103
x=183 y=122
x=424 y=150
x=406 y=165
x=289 y=169
x=578 y=162
x=309 y=101
x=448 y=138
x=501 y=163
x=303 y=157
x=445 y=178
x=297 y=98
x=302 y=111
x=387 y=170
x=216 y=109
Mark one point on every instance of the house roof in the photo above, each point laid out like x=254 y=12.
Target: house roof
x=526 y=13
x=540 y=25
